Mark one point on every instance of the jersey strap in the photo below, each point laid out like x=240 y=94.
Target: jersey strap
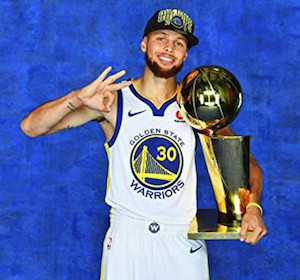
x=119 y=118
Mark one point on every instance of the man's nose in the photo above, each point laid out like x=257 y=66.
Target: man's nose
x=169 y=46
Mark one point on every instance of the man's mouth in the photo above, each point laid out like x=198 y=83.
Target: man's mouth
x=166 y=59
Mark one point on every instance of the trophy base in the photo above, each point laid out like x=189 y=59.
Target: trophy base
x=206 y=226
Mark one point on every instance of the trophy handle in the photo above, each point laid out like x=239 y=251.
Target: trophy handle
x=213 y=169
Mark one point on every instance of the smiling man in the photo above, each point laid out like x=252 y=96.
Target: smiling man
x=151 y=150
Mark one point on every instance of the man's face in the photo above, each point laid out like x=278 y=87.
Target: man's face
x=165 y=52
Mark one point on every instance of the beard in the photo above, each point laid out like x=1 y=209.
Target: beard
x=160 y=72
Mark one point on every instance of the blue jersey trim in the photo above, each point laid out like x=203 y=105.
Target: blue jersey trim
x=119 y=118
x=159 y=112
x=196 y=138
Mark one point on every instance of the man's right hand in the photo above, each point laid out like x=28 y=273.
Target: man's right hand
x=76 y=107
x=101 y=93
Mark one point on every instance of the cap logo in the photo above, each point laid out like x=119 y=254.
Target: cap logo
x=177 y=22
x=177 y=18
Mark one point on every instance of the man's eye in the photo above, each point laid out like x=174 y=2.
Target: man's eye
x=179 y=44
x=160 y=38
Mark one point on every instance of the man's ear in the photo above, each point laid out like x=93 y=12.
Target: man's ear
x=185 y=57
x=144 y=44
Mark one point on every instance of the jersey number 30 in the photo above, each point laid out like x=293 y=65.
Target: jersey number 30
x=164 y=153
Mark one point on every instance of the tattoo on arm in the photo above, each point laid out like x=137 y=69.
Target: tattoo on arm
x=71 y=106
x=65 y=128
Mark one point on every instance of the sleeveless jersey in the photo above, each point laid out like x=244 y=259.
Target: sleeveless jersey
x=151 y=154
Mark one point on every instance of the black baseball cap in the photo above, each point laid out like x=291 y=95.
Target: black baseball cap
x=172 y=19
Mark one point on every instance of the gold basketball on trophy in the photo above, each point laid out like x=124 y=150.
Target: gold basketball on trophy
x=210 y=97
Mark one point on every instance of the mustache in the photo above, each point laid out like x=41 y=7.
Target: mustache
x=158 y=71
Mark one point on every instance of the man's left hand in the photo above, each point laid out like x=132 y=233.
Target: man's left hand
x=252 y=221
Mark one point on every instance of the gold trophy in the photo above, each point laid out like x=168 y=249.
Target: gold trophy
x=210 y=98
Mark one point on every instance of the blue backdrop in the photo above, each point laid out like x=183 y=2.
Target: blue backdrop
x=52 y=212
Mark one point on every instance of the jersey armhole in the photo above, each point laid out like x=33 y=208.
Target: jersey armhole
x=119 y=118
x=196 y=138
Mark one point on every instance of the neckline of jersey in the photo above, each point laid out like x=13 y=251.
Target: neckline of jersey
x=157 y=111
x=149 y=99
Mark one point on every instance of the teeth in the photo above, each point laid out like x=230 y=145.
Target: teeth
x=165 y=58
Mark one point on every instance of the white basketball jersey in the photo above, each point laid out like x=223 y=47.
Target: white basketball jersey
x=152 y=172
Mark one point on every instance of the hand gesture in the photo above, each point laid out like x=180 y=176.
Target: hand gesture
x=253 y=221
x=100 y=94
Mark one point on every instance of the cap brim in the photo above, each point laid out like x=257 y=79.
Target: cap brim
x=192 y=40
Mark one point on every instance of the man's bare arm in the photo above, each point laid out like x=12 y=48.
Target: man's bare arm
x=49 y=117
x=94 y=101
x=252 y=220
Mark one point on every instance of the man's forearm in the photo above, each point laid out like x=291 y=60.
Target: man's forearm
x=44 y=117
x=256 y=181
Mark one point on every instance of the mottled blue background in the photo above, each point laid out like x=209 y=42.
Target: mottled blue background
x=52 y=212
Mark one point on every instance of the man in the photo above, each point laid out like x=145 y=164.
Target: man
x=152 y=175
